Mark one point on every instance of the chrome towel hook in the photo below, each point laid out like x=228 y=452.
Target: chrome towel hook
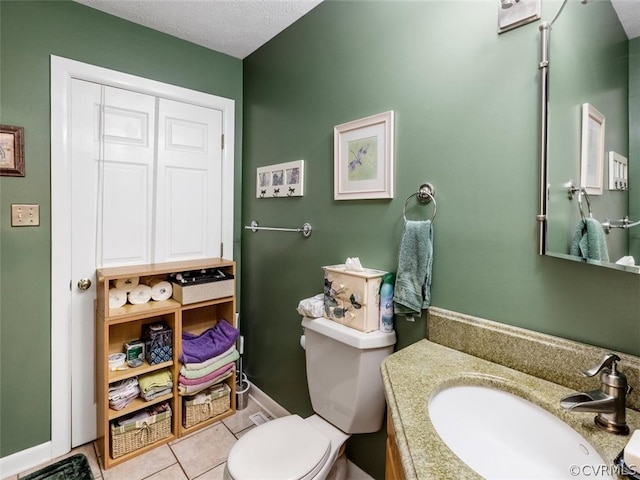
x=425 y=195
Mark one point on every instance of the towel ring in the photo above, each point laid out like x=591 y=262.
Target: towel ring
x=580 y=191
x=424 y=195
x=583 y=191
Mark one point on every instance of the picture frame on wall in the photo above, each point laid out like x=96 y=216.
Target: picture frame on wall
x=11 y=151
x=363 y=158
x=592 y=150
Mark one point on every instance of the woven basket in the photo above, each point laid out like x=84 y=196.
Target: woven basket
x=126 y=439
x=216 y=400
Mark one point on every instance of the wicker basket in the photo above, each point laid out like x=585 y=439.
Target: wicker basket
x=201 y=407
x=127 y=438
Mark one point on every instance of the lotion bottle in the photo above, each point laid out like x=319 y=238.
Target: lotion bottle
x=386 y=303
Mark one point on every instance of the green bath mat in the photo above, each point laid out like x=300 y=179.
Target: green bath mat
x=71 y=468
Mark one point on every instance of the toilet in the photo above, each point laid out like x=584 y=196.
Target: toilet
x=345 y=386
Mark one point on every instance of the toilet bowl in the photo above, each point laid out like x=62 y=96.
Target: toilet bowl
x=346 y=391
x=287 y=448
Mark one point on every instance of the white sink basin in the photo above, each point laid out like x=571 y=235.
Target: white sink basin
x=500 y=435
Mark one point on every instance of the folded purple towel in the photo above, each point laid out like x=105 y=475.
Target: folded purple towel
x=210 y=343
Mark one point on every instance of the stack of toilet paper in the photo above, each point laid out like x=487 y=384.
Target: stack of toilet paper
x=138 y=291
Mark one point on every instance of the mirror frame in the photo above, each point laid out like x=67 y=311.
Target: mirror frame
x=542 y=216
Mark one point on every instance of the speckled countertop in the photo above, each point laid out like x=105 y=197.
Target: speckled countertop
x=412 y=375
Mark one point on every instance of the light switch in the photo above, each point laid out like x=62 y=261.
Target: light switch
x=25 y=215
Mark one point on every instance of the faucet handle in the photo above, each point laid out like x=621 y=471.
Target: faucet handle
x=608 y=361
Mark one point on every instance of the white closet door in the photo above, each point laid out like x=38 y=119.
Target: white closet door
x=86 y=100
x=111 y=212
x=189 y=193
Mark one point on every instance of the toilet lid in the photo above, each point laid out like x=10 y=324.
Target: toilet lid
x=287 y=448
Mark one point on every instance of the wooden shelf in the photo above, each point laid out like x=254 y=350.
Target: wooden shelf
x=115 y=376
x=138 y=404
x=116 y=326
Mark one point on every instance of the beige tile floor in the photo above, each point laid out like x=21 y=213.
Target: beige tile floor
x=201 y=455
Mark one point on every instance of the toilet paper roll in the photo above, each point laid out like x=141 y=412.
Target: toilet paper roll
x=117 y=298
x=139 y=295
x=126 y=284
x=161 y=290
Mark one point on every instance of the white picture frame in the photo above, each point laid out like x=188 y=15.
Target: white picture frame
x=282 y=180
x=592 y=150
x=363 y=158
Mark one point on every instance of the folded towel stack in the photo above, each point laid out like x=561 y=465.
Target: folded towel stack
x=207 y=358
x=122 y=393
x=155 y=384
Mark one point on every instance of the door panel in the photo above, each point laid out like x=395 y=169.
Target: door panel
x=125 y=211
x=111 y=211
x=86 y=99
x=126 y=215
x=188 y=221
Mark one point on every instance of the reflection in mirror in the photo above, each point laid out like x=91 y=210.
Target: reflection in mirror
x=594 y=72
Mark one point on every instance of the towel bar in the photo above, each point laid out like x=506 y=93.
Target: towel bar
x=622 y=223
x=305 y=229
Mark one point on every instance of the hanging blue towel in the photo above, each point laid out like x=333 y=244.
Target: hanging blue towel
x=412 y=290
x=589 y=241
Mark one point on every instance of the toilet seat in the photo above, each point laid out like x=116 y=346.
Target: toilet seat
x=288 y=448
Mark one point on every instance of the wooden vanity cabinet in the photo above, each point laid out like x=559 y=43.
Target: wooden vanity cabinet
x=393 y=465
x=116 y=326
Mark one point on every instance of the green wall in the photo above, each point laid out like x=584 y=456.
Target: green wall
x=467 y=120
x=31 y=31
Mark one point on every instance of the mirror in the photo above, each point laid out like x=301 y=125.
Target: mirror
x=593 y=104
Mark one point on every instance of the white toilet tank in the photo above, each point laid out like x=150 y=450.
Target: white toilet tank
x=343 y=372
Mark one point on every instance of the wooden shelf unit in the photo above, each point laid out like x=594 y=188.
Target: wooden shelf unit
x=116 y=326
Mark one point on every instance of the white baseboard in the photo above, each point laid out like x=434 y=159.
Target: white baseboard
x=25 y=460
x=273 y=408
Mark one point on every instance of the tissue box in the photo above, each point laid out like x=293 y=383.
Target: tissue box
x=158 y=343
x=353 y=298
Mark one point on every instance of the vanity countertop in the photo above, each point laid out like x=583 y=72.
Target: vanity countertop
x=413 y=374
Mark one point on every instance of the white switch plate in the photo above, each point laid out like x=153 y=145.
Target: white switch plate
x=25 y=215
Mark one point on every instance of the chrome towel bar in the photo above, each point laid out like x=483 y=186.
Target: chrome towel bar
x=305 y=229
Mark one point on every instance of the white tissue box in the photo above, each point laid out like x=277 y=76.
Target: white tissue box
x=353 y=298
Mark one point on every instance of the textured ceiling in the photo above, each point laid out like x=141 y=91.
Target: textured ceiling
x=239 y=27
x=234 y=27
x=629 y=14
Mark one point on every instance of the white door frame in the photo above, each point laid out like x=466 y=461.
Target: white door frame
x=62 y=71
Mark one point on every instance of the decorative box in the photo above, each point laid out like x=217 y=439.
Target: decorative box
x=353 y=298
x=158 y=343
x=202 y=285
